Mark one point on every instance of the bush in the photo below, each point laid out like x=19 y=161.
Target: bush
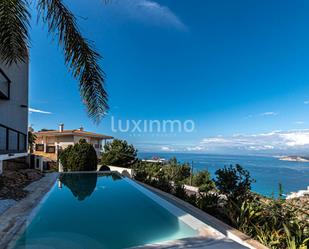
x=162 y=183
x=177 y=173
x=119 y=153
x=172 y=171
x=79 y=157
x=234 y=183
x=209 y=202
x=180 y=192
x=273 y=222
x=203 y=181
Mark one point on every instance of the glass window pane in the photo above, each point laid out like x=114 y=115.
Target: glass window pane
x=12 y=140
x=22 y=144
x=2 y=138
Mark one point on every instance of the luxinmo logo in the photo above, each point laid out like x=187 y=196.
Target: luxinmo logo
x=152 y=126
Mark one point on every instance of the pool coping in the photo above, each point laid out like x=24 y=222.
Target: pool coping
x=230 y=232
x=14 y=219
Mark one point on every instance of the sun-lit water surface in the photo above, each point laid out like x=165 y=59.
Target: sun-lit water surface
x=89 y=211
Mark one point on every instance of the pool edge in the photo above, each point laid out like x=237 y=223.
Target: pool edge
x=228 y=231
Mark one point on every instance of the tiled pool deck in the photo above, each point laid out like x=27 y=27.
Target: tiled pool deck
x=215 y=234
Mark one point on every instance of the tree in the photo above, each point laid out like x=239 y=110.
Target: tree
x=176 y=171
x=79 y=55
x=119 y=153
x=31 y=141
x=234 y=182
x=79 y=157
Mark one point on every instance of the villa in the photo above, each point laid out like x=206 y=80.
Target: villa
x=49 y=143
x=14 y=111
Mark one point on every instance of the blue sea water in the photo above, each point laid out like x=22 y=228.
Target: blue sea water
x=267 y=171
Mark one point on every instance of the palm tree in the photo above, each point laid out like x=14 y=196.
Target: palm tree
x=79 y=55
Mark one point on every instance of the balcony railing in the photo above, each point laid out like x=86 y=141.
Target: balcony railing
x=12 y=141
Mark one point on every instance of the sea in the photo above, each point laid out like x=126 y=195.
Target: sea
x=267 y=171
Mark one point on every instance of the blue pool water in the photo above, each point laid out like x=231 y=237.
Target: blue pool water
x=97 y=211
x=267 y=171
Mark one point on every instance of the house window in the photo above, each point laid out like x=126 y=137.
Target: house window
x=4 y=86
x=50 y=149
x=39 y=147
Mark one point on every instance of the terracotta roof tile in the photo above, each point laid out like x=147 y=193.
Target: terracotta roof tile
x=76 y=132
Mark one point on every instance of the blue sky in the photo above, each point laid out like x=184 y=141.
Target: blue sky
x=238 y=69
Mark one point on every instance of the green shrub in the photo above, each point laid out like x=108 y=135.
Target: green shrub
x=177 y=173
x=203 y=181
x=79 y=157
x=119 y=153
x=273 y=222
x=234 y=183
x=192 y=199
x=208 y=202
x=180 y=192
x=172 y=172
x=161 y=182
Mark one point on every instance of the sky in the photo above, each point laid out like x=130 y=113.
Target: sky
x=194 y=76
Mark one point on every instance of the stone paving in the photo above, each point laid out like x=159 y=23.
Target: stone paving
x=6 y=204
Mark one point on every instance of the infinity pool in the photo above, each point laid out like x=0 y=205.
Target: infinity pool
x=92 y=211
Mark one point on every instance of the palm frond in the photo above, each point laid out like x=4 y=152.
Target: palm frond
x=14 y=24
x=80 y=57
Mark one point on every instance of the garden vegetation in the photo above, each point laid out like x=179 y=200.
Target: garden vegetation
x=79 y=157
x=119 y=153
x=274 y=222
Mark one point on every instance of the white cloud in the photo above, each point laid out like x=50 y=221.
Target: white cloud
x=271 y=142
x=148 y=11
x=299 y=138
x=299 y=122
x=31 y=110
x=195 y=148
x=264 y=114
x=269 y=114
x=167 y=148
